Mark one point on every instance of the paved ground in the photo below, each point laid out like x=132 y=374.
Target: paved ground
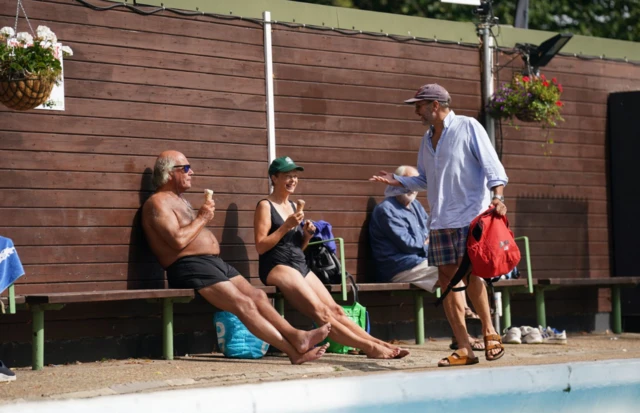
x=210 y=370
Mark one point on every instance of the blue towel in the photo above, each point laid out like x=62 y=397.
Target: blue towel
x=324 y=232
x=10 y=265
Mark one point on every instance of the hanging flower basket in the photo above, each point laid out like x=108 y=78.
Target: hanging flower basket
x=529 y=99
x=527 y=115
x=25 y=94
x=29 y=65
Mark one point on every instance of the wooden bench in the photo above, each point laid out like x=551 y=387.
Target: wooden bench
x=615 y=283
x=39 y=303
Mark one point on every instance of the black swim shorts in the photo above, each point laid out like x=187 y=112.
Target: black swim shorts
x=199 y=271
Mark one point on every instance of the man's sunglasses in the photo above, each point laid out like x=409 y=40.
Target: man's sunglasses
x=185 y=168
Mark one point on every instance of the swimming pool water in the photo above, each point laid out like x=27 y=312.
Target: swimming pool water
x=590 y=387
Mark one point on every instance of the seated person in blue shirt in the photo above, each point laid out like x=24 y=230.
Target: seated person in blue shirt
x=399 y=237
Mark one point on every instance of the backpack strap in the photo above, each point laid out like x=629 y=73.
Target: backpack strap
x=463 y=270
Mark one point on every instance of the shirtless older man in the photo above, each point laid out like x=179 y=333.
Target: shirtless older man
x=189 y=252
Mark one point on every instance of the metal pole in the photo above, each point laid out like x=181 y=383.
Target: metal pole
x=540 y=307
x=506 y=307
x=419 y=307
x=167 y=329
x=268 y=73
x=617 y=309
x=37 y=338
x=497 y=297
x=487 y=79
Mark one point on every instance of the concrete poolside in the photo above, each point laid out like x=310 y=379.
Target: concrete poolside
x=112 y=377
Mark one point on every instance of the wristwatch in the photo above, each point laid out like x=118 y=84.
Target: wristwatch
x=499 y=198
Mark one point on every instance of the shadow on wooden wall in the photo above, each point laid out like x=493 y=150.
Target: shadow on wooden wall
x=144 y=270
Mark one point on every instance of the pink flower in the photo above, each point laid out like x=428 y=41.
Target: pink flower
x=560 y=88
x=554 y=80
x=525 y=79
x=543 y=77
x=559 y=104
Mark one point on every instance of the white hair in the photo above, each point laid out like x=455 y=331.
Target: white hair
x=163 y=166
x=405 y=170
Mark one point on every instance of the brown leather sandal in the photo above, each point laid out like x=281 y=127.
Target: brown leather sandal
x=488 y=347
x=456 y=359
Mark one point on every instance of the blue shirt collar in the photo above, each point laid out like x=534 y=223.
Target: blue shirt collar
x=447 y=121
x=450 y=117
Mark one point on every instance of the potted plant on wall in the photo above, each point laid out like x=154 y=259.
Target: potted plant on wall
x=529 y=99
x=29 y=66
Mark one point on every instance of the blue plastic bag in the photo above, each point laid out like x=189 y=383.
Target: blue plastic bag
x=235 y=340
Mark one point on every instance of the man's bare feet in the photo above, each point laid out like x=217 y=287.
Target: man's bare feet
x=308 y=339
x=313 y=354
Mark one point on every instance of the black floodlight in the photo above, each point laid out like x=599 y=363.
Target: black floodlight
x=536 y=57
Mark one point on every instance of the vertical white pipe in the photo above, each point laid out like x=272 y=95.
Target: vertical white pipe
x=487 y=80
x=268 y=73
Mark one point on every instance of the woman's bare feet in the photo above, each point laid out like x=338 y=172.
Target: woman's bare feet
x=313 y=354
x=307 y=340
x=402 y=353
x=382 y=352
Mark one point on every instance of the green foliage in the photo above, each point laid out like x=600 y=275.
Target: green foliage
x=615 y=19
x=22 y=56
x=21 y=62
x=529 y=98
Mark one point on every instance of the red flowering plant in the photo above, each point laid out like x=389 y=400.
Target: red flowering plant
x=528 y=98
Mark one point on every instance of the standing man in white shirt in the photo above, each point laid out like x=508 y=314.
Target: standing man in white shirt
x=461 y=172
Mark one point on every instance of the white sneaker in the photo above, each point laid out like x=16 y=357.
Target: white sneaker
x=552 y=336
x=5 y=373
x=512 y=335
x=531 y=335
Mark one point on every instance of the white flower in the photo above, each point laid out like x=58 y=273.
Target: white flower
x=25 y=38
x=46 y=44
x=66 y=51
x=13 y=42
x=44 y=33
x=7 y=32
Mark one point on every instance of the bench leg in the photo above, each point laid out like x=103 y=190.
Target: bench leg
x=419 y=306
x=617 y=309
x=167 y=329
x=279 y=301
x=37 y=340
x=540 y=308
x=12 y=299
x=506 y=307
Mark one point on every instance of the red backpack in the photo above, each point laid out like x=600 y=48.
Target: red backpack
x=491 y=246
x=491 y=251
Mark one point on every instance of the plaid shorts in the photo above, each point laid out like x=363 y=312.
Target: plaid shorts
x=446 y=246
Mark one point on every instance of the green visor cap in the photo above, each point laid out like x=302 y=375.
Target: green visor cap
x=283 y=164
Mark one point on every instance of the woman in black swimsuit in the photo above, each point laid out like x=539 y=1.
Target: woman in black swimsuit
x=280 y=241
